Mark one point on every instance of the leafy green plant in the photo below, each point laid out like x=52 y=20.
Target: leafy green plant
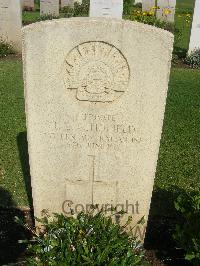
x=81 y=9
x=68 y=11
x=187 y=233
x=139 y=5
x=127 y=6
x=150 y=19
x=175 y=59
x=5 y=48
x=89 y=239
x=78 y=10
x=193 y=59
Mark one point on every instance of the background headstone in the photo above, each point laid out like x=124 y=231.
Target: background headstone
x=11 y=22
x=195 y=32
x=147 y=5
x=166 y=10
x=28 y=5
x=49 y=7
x=95 y=115
x=106 y=8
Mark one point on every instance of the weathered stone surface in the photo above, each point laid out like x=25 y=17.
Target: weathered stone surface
x=28 y=4
x=195 y=32
x=148 y=5
x=106 y=8
x=49 y=7
x=95 y=101
x=11 y=22
x=166 y=10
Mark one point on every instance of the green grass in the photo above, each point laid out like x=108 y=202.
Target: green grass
x=33 y=16
x=179 y=155
x=178 y=169
x=12 y=119
x=182 y=9
x=185 y=6
x=30 y=17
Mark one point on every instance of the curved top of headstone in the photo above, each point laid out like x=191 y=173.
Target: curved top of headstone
x=96 y=46
x=83 y=21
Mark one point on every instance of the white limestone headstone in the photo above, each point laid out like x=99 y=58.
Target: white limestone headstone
x=195 y=31
x=166 y=10
x=49 y=7
x=148 y=5
x=28 y=4
x=106 y=8
x=11 y=22
x=95 y=114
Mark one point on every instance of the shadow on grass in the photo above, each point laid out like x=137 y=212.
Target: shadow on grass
x=24 y=159
x=162 y=221
x=10 y=230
